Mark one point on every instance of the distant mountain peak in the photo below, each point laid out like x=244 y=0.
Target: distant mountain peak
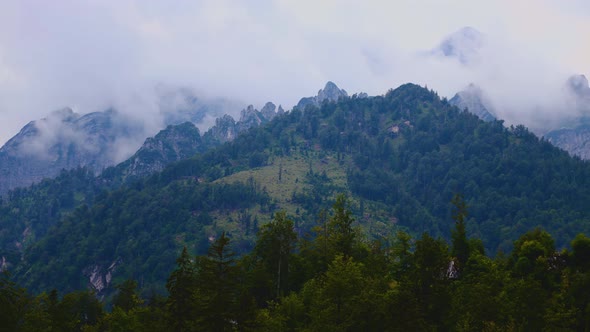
x=331 y=93
x=578 y=84
x=475 y=101
x=65 y=114
x=464 y=45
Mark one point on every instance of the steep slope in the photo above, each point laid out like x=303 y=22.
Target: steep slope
x=330 y=93
x=473 y=99
x=29 y=213
x=169 y=145
x=401 y=157
x=574 y=136
x=65 y=140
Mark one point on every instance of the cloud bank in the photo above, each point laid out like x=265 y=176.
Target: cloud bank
x=93 y=55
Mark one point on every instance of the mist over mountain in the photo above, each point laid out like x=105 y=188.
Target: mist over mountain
x=472 y=98
x=66 y=140
x=96 y=56
x=463 y=45
x=400 y=156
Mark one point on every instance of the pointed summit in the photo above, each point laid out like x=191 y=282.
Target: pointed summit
x=269 y=111
x=578 y=84
x=464 y=45
x=330 y=93
x=474 y=100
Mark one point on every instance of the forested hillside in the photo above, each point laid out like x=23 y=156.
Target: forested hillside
x=399 y=157
x=337 y=281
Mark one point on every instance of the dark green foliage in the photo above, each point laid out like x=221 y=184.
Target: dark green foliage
x=138 y=227
x=27 y=214
x=274 y=248
x=406 y=153
x=460 y=248
x=127 y=298
x=408 y=286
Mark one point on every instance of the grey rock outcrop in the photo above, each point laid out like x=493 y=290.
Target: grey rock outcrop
x=269 y=111
x=578 y=85
x=65 y=140
x=171 y=144
x=576 y=140
x=330 y=93
x=474 y=100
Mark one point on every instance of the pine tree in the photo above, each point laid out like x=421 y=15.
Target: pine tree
x=276 y=242
x=127 y=297
x=217 y=276
x=182 y=288
x=341 y=234
x=460 y=245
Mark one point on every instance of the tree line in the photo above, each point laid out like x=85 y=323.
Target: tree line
x=333 y=279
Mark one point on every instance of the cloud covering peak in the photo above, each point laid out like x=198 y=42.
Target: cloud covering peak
x=94 y=55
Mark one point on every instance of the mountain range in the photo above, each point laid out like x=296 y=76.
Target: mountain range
x=85 y=205
x=400 y=157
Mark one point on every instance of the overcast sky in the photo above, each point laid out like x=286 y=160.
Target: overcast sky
x=90 y=55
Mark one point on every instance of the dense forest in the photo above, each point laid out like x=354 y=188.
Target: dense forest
x=399 y=158
x=334 y=279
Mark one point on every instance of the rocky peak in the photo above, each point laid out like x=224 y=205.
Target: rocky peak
x=268 y=111
x=249 y=117
x=66 y=140
x=65 y=114
x=578 y=84
x=330 y=93
x=224 y=130
x=464 y=45
x=474 y=100
x=174 y=143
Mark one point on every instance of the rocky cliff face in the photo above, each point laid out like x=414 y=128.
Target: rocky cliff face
x=473 y=99
x=65 y=140
x=226 y=128
x=169 y=145
x=178 y=142
x=576 y=141
x=575 y=136
x=330 y=93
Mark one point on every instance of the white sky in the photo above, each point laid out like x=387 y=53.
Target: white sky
x=93 y=54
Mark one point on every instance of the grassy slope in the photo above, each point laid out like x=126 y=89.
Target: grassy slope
x=376 y=220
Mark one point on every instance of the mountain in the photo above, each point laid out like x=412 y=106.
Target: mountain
x=65 y=140
x=43 y=204
x=178 y=142
x=400 y=158
x=330 y=93
x=574 y=140
x=174 y=143
x=463 y=45
x=473 y=99
x=571 y=133
x=179 y=105
x=574 y=136
x=578 y=86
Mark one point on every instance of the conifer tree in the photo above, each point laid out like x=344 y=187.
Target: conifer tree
x=460 y=244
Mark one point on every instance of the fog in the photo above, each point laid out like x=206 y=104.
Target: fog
x=93 y=55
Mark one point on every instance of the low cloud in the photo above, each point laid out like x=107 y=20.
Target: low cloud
x=94 y=55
